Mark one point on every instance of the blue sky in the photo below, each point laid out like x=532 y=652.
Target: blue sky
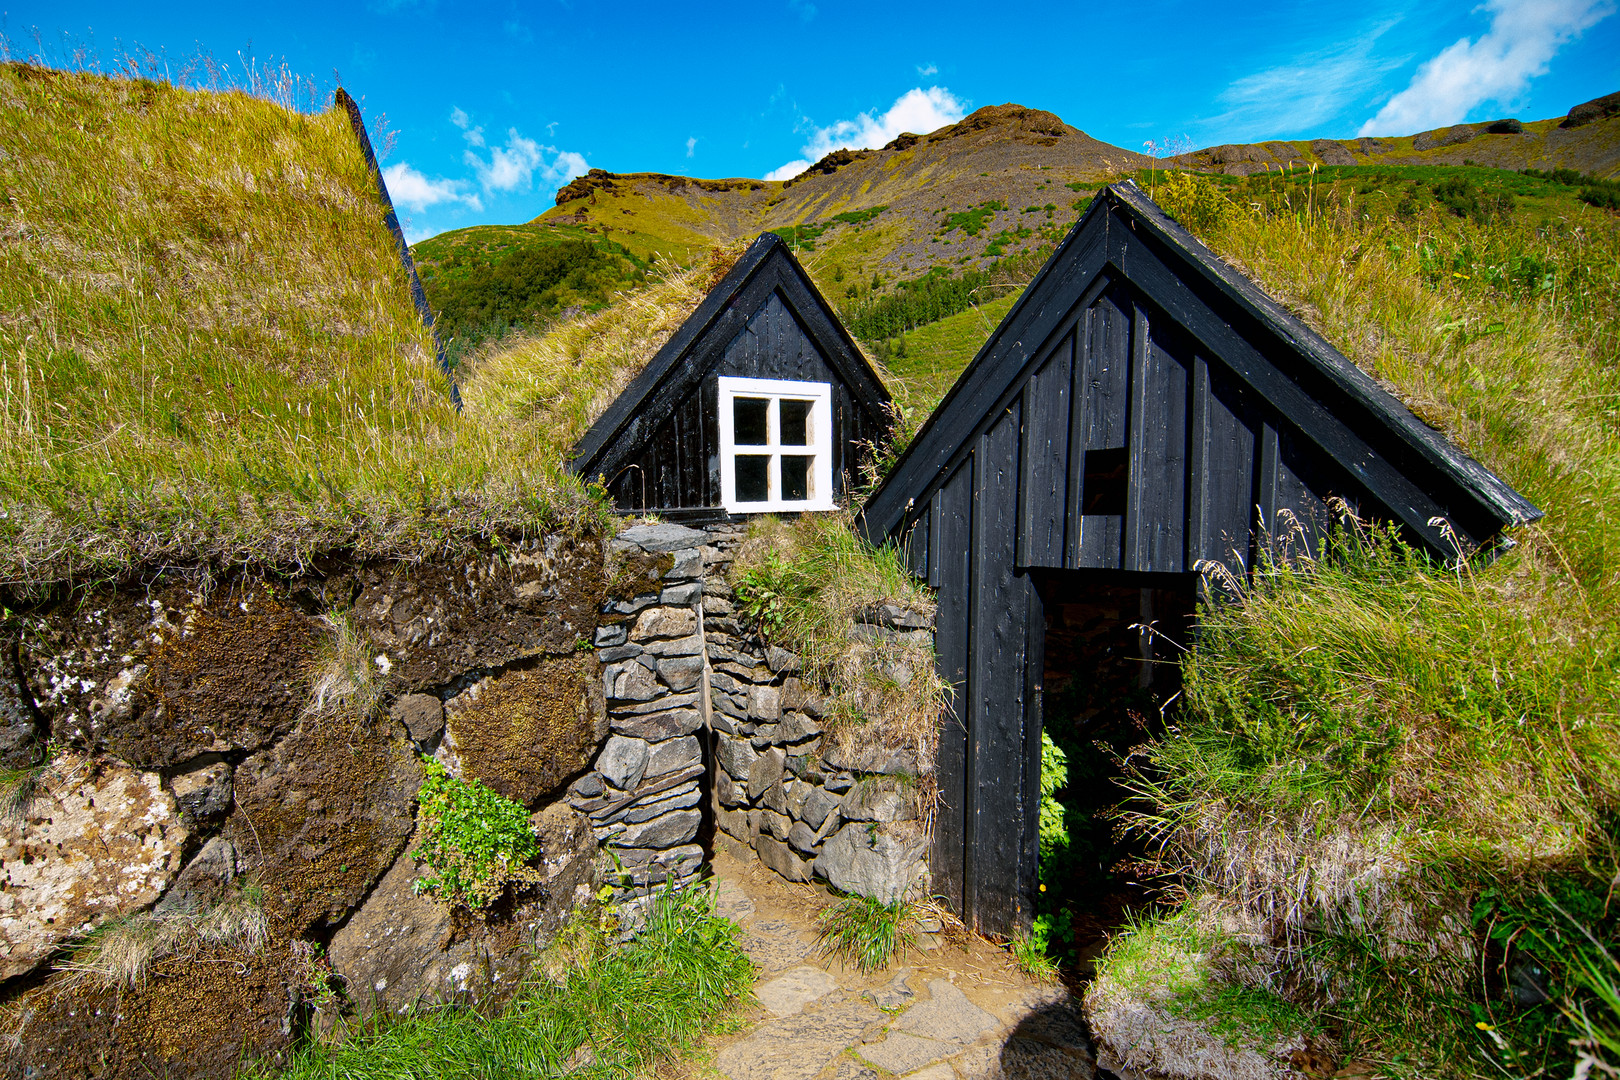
x=495 y=105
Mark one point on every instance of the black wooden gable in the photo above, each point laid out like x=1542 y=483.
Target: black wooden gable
x=658 y=444
x=1152 y=399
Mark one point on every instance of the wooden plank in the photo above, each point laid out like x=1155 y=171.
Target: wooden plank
x=1104 y=382
x=996 y=684
x=1223 y=480
x=952 y=567
x=1265 y=486
x=916 y=545
x=1044 y=491
x=1029 y=850
x=1156 y=506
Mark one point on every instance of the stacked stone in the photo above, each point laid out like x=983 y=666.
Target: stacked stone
x=643 y=794
x=785 y=790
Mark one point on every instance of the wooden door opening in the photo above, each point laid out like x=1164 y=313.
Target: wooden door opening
x=1110 y=674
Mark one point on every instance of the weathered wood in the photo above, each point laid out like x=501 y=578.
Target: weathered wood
x=1104 y=384
x=951 y=567
x=1044 y=491
x=1156 y=508
x=996 y=684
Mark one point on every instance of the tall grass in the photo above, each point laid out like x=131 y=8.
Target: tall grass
x=608 y=1012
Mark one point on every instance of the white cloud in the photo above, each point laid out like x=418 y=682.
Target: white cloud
x=917 y=110
x=473 y=135
x=411 y=189
x=691 y=145
x=514 y=166
x=1301 y=95
x=925 y=70
x=1524 y=36
x=459 y=117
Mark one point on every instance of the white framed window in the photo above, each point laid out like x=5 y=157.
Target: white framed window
x=775 y=445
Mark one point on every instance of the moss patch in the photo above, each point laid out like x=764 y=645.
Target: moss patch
x=524 y=732
x=638 y=573
x=321 y=816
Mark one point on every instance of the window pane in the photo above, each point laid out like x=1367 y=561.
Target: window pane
x=748 y=421
x=796 y=477
x=795 y=422
x=752 y=482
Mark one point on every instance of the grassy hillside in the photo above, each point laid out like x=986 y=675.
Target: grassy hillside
x=208 y=348
x=1392 y=793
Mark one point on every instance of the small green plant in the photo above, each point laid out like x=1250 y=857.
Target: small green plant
x=1193 y=200
x=868 y=932
x=474 y=841
x=767 y=590
x=1029 y=953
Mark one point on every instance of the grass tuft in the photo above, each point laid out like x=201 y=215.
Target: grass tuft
x=867 y=932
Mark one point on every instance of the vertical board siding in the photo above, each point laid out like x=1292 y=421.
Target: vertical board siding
x=996 y=767
x=1222 y=485
x=1044 y=491
x=951 y=571
x=1102 y=386
x=1156 y=502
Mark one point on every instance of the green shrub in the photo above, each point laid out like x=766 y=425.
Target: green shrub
x=1193 y=200
x=475 y=842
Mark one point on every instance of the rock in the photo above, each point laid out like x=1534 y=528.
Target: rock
x=765 y=735
x=947 y=1016
x=797 y=727
x=1332 y=153
x=673 y=754
x=203 y=795
x=1596 y=109
x=731 y=902
x=797 y=1047
x=735 y=822
x=778 y=825
x=320 y=816
x=681 y=595
x=1030 y=1059
x=1451 y=136
x=623 y=762
x=683 y=797
x=764 y=771
x=903 y=1053
x=97 y=841
x=876 y=801
x=662 y=538
x=688 y=564
x=781 y=661
x=422 y=715
x=676 y=827
x=775 y=798
x=608 y=636
x=618 y=653
x=641 y=708
x=776 y=855
x=735 y=756
x=630 y=681
x=204 y=882
x=588 y=786
x=883 y=863
x=658 y=726
x=803 y=838
x=727 y=790
x=765 y=703
x=896 y=993
x=1504 y=127
x=526 y=730
x=681 y=673
x=795 y=988
x=665 y=622
x=871 y=759
x=691 y=645
x=436 y=620
x=817 y=805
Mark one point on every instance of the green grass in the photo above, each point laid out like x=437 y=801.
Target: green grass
x=208 y=349
x=937 y=353
x=607 y=1012
x=867 y=932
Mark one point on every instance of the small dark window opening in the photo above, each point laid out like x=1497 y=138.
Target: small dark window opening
x=795 y=422
x=1106 y=482
x=749 y=424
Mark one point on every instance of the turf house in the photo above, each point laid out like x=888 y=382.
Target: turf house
x=1143 y=421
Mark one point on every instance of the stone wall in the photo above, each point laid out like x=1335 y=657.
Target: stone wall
x=806 y=803
x=178 y=765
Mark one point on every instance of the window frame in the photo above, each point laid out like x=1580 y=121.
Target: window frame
x=819 y=449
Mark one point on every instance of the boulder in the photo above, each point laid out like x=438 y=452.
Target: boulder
x=665 y=622
x=681 y=673
x=735 y=756
x=205 y=881
x=203 y=794
x=1451 y=136
x=872 y=800
x=1596 y=109
x=422 y=716
x=666 y=831
x=1332 y=153
x=883 y=862
x=765 y=771
x=623 y=762
x=672 y=755
x=663 y=537
x=321 y=816
x=97 y=840
x=779 y=857
x=403 y=949
x=658 y=726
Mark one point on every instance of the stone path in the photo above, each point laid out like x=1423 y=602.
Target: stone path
x=949 y=1014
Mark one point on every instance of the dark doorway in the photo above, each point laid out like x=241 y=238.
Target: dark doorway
x=1111 y=673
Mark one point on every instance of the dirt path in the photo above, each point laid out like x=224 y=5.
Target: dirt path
x=940 y=1013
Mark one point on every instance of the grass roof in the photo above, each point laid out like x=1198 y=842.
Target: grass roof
x=208 y=349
